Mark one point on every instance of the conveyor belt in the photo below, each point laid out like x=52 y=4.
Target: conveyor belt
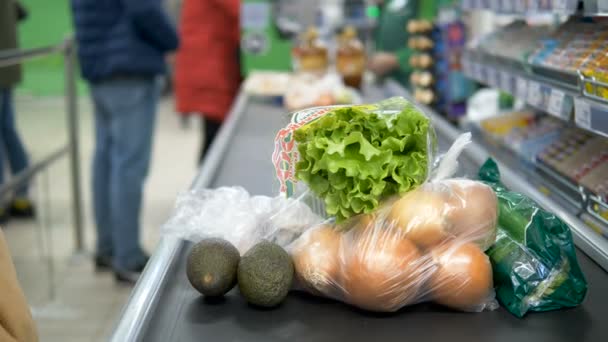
x=178 y=313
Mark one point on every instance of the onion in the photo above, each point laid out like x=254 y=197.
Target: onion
x=382 y=271
x=463 y=279
x=315 y=258
x=473 y=212
x=421 y=214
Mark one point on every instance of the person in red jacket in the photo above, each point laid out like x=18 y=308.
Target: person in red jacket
x=207 y=72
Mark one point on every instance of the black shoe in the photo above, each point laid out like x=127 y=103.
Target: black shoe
x=130 y=276
x=22 y=208
x=103 y=262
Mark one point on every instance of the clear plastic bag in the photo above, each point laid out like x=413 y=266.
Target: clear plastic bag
x=232 y=214
x=427 y=245
x=351 y=157
x=423 y=240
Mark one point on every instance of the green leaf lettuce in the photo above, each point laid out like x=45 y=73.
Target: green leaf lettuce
x=353 y=158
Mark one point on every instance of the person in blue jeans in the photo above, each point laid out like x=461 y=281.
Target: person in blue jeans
x=122 y=45
x=11 y=147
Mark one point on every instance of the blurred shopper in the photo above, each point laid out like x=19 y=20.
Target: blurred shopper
x=393 y=54
x=122 y=45
x=10 y=143
x=207 y=72
x=16 y=323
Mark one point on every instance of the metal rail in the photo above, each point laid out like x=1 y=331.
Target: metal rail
x=67 y=49
x=16 y=56
x=25 y=175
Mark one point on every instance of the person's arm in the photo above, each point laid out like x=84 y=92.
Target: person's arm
x=152 y=23
x=16 y=323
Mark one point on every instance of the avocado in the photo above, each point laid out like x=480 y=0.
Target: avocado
x=265 y=274
x=212 y=266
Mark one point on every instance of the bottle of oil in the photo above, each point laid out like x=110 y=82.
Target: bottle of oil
x=310 y=54
x=350 y=58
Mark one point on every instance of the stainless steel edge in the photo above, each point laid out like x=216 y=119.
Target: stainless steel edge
x=142 y=301
x=585 y=238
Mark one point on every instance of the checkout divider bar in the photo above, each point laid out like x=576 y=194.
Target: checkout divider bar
x=595 y=246
x=137 y=311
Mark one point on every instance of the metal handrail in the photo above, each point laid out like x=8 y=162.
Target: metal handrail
x=68 y=50
x=16 y=56
x=25 y=175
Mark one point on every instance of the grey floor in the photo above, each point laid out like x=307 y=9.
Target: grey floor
x=69 y=301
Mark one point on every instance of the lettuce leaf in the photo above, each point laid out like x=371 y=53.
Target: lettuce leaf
x=352 y=159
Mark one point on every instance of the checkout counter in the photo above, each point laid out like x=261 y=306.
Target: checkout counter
x=164 y=307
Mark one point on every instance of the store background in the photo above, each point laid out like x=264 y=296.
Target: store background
x=70 y=302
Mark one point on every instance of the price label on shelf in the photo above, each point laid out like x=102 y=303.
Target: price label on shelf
x=521 y=88
x=560 y=5
x=465 y=65
x=473 y=70
x=505 y=82
x=492 y=76
x=477 y=72
x=556 y=104
x=485 y=74
x=582 y=113
x=535 y=95
x=532 y=6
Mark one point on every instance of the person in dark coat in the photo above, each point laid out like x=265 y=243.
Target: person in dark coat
x=10 y=142
x=122 y=45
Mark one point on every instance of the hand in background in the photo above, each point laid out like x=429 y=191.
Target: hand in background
x=382 y=63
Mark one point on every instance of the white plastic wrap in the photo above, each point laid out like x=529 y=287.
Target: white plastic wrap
x=232 y=214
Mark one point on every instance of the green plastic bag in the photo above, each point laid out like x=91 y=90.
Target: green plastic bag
x=533 y=259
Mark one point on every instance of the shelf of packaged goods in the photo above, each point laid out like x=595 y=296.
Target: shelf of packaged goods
x=574 y=198
x=532 y=7
x=568 y=102
x=522 y=7
x=577 y=199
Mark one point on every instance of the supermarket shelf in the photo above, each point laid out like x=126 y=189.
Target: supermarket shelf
x=531 y=7
x=576 y=199
x=569 y=102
